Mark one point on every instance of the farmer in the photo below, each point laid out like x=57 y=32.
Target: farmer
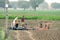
x=46 y=25
x=22 y=21
x=41 y=24
x=13 y=22
x=16 y=23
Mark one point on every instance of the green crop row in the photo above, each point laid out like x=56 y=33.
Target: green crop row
x=43 y=14
x=34 y=17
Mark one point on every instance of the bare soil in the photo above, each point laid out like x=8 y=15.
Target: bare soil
x=34 y=34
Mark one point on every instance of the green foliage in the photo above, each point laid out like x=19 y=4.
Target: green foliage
x=13 y=5
x=35 y=17
x=30 y=17
x=1 y=34
x=2 y=17
x=2 y=3
x=56 y=5
x=42 y=15
x=12 y=17
x=23 y=4
x=35 y=3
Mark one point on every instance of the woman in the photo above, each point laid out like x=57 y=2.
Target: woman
x=16 y=23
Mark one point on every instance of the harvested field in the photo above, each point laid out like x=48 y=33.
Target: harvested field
x=34 y=34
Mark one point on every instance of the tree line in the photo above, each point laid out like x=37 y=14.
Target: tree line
x=26 y=4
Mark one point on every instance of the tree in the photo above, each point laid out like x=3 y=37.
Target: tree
x=44 y=5
x=2 y=3
x=56 y=5
x=35 y=3
x=10 y=6
x=13 y=4
x=23 y=4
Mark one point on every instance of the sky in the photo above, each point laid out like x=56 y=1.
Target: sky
x=48 y=1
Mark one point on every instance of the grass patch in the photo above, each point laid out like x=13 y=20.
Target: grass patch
x=2 y=34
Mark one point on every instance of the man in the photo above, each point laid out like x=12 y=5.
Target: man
x=46 y=25
x=41 y=24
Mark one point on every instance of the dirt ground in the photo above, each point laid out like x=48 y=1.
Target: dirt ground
x=35 y=35
x=52 y=34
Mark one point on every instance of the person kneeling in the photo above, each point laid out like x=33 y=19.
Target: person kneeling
x=16 y=23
